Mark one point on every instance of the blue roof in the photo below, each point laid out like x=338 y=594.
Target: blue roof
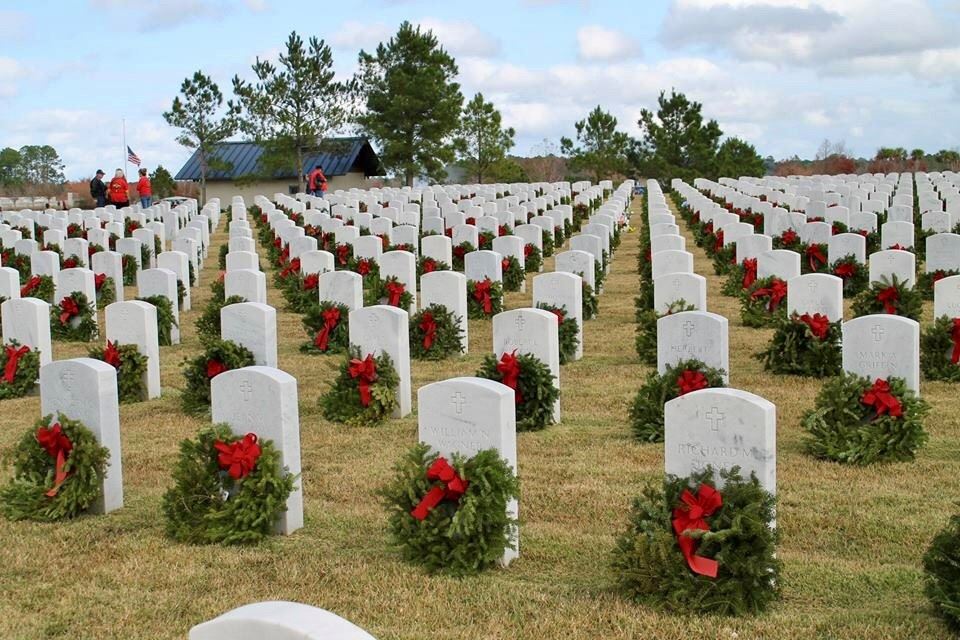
x=243 y=158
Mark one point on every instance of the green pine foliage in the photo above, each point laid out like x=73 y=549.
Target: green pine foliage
x=208 y=322
x=925 y=281
x=533 y=259
x=795 y=350
x=207 y=506
x=222 y=257
x=589 y=301
x=567 y=332
x=106 y=294
x=28 y=372
x=843 y=429
x=338 y=340
x=909 y=303
x=475 y=310
x=646 y=412
x=129 y=266
x=195 y=397
x=24 y=497
x=165 y=318
x=855 y=276
x=646 y=339
x=44 y=290
x=448 y=336
x=536 y=388
x=81 y=328
x=513 y=275
x=546 y=243
x=651 y=569
x=458 y=539
x=936 y=351
x=342 y=402
x=941 y=564
x=132 y=374
x=755 y=311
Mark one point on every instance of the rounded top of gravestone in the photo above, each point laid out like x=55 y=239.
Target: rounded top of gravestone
x=278 y=620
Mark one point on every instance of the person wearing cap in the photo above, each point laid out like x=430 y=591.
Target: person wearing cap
x=98 y=190
x=119 y=190
x=143 y=189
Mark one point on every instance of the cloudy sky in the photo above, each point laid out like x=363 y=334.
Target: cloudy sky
x=784 y=74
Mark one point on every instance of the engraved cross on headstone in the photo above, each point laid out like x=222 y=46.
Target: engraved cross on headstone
x=246 y=390
x=877 y=332
x=520 y=322
x=715 y=417
x=688 y=328
x=458 y=400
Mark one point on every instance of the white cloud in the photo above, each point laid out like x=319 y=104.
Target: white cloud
x=256 y=5
x=355 y=34
x=11 y=72
x=600 y=43
x=462 y=38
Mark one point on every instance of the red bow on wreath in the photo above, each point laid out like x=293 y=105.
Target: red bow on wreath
x=293 y=267
x=429 y=328
x=819 y=324
x=691 y=380
x=954 y=335
x=691 y=515
x=311 y=281
x=363 y=267
x=452 y=487
x=70 y=263
x=889 y=297
x=527 y=250
x=429 y=266
x=749 y=272
x=505 y=264
x=789 y=237
x=215 y=368
x=897 y=247
x=777 y=291
x=938 y=275
x=365 y=372
x=509 y=369
x=881 y=400
x=240 y=457
x=277 y=242
x=13 y=361
x=68 y=310
x=99 y=280
x=845 y=271
x=331 y=317
x=30 y=286
x=343 y=254
x=459 y=251
x=560 y=315
x=394 y=291
x=718 y=242
x=58 y=446
x=814 y=256
x=481 y=293
x=111 y=355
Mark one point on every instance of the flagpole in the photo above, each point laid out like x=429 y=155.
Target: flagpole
x=126 y=167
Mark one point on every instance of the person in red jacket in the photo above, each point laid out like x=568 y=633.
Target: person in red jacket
x=317 y=182
x=119 y=190
x=143 y=190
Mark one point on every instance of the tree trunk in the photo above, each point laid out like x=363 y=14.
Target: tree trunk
x=203 y=178
x=300 y=180
x=408 y=177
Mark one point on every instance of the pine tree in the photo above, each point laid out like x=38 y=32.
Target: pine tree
x=601 y=149
x=162 y=182
x=482 y=141
x=676 y=141
x=412 y=103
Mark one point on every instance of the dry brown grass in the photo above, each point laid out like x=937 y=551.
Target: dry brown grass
x=852 y=539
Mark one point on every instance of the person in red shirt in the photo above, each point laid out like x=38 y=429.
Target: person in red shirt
x=317 y=182
x=119 y=190
x=143 y=189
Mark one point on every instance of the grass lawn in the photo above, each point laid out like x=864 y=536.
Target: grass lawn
x=852 y=538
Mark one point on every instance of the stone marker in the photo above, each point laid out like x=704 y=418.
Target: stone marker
x=893 y=262
x=943 y=253
x=781 y=263
x=162 y=282
x=667 y=262
x=254 y=326
x=278 y=621
x=481 y=265
x=179 y=263
x=577 y=262
x=246 y=283
x=341 y=287
x=533 y=332
x=385 y=329
x=946 y=297
x=883 y=346
x=447 y=288
x=27 y=320
x=816 y=293
x=242 y=260
x=437 y=247
x=403 y=266
x=694 y=335
x=565 y=291
x=673 y=287
x=135 y=322
x=847 y=244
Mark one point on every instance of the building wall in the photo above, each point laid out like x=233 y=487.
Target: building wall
x=225 y=190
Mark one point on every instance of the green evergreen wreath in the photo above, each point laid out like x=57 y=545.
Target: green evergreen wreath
x=435 y=334
x=725 y=259
x=813 y=259
x=651 y=569
x=567 y=331
x=588 y=299
x=337 y=336
x=131 y=372
x=532 y=258
x=24 y=378
x=558 y=236
x=855 y=276
x=844 y=429
x=476 y=310
x=39 y=287
x=74 y=319
x=343 y=403
x=222 y=256
x=513 y=275
x=145 y=254
x=907 y=301
x=599 y=272
x=106 y=293
x=165 y=319
x=377 y=293
x=925 y=281
x=207 y=505
x=546 y=242
x=485 y=240
x=71 y=262
x=646 y=340
x=26 y=496
x=796 y=349
x=193 y=273
x=53 y=246
x=426 y=264
x=733 y=283
x=646 y=412
x=755 y=310
x=218 y=356
x=458 y=538
x=14 y=260
x=208 y=322
x=459 y=255
x=129 y=266
x=941 y=564
x=536 y=393
x=936 y=350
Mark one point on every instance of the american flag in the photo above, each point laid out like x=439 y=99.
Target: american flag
x=132 y=157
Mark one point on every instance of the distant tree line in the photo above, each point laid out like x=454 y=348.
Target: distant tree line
x=30 y=166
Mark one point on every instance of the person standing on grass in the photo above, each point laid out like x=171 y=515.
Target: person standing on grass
x=98 y=190
x=119 y=190
x=143 y=189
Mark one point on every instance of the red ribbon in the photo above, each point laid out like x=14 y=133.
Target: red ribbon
x=215 y=368
x=98 y=280
x=459 y=251
x=845 y=271
x=312 y=281
x=277 y=242
x=691 y=380
x=881 y=400
x=777 y=291
x=69 y=263
x=394 y=291
x=451 y=487
x=819 y=324
x=889 y=298
x=30 y=286
x=363 y=267
x=691 y=515
x=13 y=361
x=815 y=255
x=365 y=372
x=111 y=355
x=429 y=266
x=429 y=328
x=560 y=315
x=240 y=457
x=789 y=237
x=509 y=369
x=718 y=242
x=749 y=272
x=331 y=317
x=58 y=446
x=897 y=247
x=505 y=264
x=68 y=310
x=954 y=335
x=527 y=250
x=343 y=254
x=938 y=275
x=291 y=268
x=481 y=293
